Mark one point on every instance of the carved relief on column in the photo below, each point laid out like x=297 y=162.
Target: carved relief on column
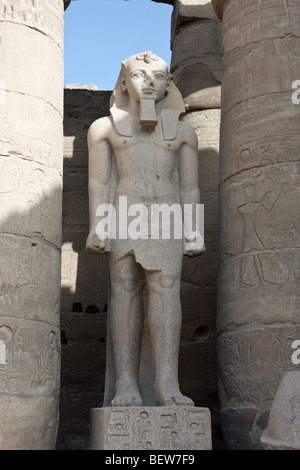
x=31 y=85
x=258 y=291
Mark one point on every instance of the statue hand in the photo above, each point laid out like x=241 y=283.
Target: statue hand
x=195 y=247
x=97 y=245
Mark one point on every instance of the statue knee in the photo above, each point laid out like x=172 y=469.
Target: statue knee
x=166 y=281
x=127 y=279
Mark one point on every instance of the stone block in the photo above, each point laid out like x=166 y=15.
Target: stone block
x=237 y=426
x=283 y=431
x=198 y=368
x=207 y=126
x=197 y=64
x=188 y=11
x=196 y=43
x=200 y=9
x=151 y=428
x=28 y=422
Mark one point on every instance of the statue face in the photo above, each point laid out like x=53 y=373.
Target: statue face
x=147 y=81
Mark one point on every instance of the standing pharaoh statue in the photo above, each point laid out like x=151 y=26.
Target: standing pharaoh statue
x=144 y=155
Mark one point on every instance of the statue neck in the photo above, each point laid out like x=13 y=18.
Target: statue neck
x=146 y=110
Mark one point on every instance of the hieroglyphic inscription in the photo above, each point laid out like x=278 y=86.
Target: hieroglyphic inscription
x=11 y=342
x=29 y=285
x=45 y=154
x=29 y=199
x=257 y=21
x=119 y=429
x=19 y=347
x=174 y=428
x=144 y=430
x=169 y=431
x=41 y=15
x=264 y=211
x=252 y=361
x=266 y=153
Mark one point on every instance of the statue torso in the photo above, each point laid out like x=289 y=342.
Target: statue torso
x=146 y=163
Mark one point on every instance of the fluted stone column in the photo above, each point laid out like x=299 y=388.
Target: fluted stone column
x=196 y=66
x=196 y=43
x=259 y=280
x=31 y=147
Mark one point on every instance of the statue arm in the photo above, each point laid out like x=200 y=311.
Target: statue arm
x=189 y=192
x=100 y=156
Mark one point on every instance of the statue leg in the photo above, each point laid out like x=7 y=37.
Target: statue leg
x=126 y=327
x=164 y=315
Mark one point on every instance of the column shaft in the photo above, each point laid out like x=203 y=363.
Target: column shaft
x=258 y=290
x=31 y=98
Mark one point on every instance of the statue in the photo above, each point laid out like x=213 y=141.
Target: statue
x=144 y=154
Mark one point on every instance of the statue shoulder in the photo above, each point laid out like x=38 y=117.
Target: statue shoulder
x=188 y=134
x=99 y=130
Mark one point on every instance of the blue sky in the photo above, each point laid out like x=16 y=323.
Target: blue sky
x=100 y=34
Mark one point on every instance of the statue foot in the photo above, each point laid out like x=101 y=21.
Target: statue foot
x=127 y=394
x=170 y=395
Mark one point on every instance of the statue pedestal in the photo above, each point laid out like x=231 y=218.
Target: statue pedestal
x=150 y=428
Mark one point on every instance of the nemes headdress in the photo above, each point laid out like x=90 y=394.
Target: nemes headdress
x=172 y=104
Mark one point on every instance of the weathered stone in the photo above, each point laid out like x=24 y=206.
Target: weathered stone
x=258 y=289
x=80 y=86
x=219 y=8
x=198 y=294
x=31 y=62
x=195 y=9
x=21 y=424
x=145 y=270
x=196 y=43
x=197 y=366
x=283 y=431
x=84 y=277
x=207 y=126
x=237 y=426
x=146 y=428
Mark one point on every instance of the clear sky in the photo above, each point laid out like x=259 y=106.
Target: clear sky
x=100 y=34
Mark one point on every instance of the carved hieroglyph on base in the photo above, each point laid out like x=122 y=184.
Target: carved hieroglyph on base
x=31 y=91
x=144 y=153
x=151 y=428
x=258 y=290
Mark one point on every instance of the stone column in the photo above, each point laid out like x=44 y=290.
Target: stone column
x=259 y=280
x=31 y=147
x=196 y=66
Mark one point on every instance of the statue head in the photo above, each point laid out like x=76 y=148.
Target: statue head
x=145 y=76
